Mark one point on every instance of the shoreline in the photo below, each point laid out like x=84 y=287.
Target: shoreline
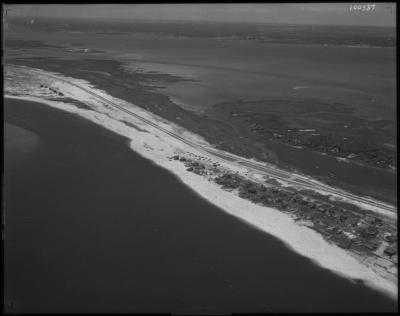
x=301 y=239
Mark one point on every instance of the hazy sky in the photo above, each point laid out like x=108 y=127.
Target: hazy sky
x=384 y=14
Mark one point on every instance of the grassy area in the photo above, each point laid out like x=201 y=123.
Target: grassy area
x=325 y=127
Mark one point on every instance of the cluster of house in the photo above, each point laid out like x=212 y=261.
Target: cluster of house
x=193 y=165
x=78 y=50
x=363 y=234
x=347 y=229
x=52 y=90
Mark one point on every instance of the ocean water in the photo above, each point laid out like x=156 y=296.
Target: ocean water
x=20 y=142
x=93 y=227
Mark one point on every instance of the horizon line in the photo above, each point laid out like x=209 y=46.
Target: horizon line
x=199 y=21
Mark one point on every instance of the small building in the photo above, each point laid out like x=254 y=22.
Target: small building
x=252 y=190
x=384 y=263
x=352 y=221
x=372 y=230
x=345 y=243
x=336 y=212
x=357 y=241
x=321 y=223
x=378 y=222
x=321 y=229
x=390 y=251
x=285 y=204
x=197 y=171
x=369 y=219
x=390 y=238
x=371 y=245
x=305 y=209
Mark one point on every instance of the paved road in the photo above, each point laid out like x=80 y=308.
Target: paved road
x=263 y=169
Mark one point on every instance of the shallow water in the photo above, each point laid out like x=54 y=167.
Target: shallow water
x=102 y=229
x=18 y=142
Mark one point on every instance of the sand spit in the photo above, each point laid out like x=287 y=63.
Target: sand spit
x=156 y=146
